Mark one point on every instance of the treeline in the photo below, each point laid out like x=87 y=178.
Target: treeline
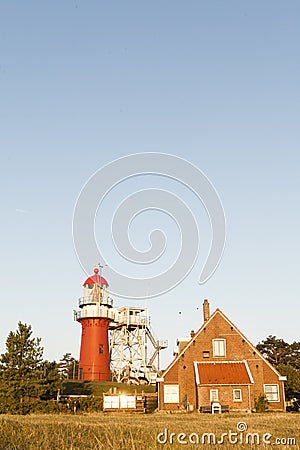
x=286 y=358
x=27 y=381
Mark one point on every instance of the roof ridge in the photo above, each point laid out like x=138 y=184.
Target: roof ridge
x=203 y=326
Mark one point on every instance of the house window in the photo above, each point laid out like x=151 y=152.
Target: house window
x=272 y=392
x=237 y=395
x=219 y=347
x=171 y=393
x=214 y=395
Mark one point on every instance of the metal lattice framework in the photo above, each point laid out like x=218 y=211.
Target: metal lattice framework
x=134 y=353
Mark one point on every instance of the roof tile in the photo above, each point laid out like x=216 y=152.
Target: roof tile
x=223 y=373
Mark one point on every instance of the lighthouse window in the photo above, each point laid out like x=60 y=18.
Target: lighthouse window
x=101 y=349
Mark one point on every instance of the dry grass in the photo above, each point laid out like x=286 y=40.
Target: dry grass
x=135 y=432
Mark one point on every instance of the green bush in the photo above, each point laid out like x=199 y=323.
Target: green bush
x=86 y=404
x=65 y=406
x=261 y=404
x=13 y=407
x=49 y=407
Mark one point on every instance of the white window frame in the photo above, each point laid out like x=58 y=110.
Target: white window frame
x=119 y=401
x=127 y=402
x=171 y=393
x=213 y=395
x=272 y=396
x=219 y=349
x=111 y=402
x=235 y=399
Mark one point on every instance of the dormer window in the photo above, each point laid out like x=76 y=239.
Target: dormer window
x=219 y=347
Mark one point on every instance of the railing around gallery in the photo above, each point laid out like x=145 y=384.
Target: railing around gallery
x=90 y=300
x=95 y=311
x=127 y=319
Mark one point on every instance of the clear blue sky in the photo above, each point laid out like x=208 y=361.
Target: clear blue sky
x=82 y=83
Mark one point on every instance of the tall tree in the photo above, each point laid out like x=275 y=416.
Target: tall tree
x=286 y=358
x=51 y=380
x=292 y=384
x=275 y=350
x=294 y=359
x=21 y=365
x=68 y=367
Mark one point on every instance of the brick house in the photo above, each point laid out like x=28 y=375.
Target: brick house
x=217 y=367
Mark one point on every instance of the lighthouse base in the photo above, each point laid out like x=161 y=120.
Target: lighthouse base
x=90 y=373
x=94 y=361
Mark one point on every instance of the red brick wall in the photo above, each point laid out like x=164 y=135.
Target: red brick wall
x=237 y=349
x=225 y=396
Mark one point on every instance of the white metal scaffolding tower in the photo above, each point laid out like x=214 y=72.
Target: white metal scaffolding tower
x=134 y=352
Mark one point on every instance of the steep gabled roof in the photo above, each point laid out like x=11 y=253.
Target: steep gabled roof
x=203 y=326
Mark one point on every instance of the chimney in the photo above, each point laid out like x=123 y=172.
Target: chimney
x=192 y=333
x=206 y=311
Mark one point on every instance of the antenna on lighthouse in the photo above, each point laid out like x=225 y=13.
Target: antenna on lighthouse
x=101 y=267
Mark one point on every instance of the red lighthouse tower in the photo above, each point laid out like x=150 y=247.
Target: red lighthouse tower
x=95 y=315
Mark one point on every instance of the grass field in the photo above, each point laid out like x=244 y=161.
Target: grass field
x=139 y=432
